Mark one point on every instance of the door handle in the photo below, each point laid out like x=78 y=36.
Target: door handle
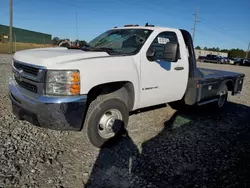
x=179 y=68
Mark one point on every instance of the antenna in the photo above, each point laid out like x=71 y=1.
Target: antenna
x=76 y=27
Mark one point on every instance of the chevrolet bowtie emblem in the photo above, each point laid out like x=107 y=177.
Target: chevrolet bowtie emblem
x=18 y=74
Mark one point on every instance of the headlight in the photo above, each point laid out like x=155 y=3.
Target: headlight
x=63 y=82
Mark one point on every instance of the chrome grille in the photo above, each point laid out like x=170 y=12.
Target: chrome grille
x=26 y=85
x=29 y=77
x=27 y=69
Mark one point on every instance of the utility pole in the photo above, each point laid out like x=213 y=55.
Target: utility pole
x=10 y=29
x=248 y=50
x=195 y=21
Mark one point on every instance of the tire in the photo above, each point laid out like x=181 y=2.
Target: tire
x=237 y=64
x=222 y=98
x=105 y=110
x=180 y=106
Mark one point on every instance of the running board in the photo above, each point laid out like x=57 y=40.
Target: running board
x=206 y=102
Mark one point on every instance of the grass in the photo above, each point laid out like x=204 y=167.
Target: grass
x=4 y=47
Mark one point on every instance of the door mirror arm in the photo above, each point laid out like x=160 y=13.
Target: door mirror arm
x=151 y=53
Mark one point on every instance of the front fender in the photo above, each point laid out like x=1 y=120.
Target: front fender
x=108 y=70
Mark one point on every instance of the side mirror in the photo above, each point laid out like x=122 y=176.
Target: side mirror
x=151 y=53
x=171 y=52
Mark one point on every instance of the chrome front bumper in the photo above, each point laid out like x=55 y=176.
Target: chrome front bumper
x=59 y=113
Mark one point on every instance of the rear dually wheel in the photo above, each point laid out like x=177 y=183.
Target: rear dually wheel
x=222 y=96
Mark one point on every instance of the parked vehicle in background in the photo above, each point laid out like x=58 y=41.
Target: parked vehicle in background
x=124 y=69
x=201 y=58
x=228 y=60
x=213 y=59
x=231 y=61
x=242 y=61
x=224 y=60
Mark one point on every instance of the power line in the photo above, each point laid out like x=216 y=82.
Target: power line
x=76 y=6
x=120 y=1
x=208 y=24
x=213 y=39
x=151 y=8
x=205 y=34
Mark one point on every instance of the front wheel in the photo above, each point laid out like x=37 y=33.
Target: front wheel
x=105 y=120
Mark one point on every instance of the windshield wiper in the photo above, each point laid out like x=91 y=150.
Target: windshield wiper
x=108 y=50
x=102 y=49
x=87 y=48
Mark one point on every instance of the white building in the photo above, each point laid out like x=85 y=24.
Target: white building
x=206 y=52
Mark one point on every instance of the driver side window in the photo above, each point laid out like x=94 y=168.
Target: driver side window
x=158 y=45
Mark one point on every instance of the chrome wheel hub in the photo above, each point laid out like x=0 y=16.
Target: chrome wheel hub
x=222 y=98
x=110 y=123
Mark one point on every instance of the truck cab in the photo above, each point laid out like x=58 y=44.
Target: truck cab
x=93 y=89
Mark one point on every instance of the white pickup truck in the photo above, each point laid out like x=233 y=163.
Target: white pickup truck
x=124 y=69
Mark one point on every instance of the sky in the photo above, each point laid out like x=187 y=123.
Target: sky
x=221 y=23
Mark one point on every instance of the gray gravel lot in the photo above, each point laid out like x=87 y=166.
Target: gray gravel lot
x=163 y=148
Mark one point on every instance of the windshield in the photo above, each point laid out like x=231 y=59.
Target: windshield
x=122 y=41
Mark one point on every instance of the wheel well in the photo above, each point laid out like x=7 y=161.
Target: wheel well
x=123 y=90
x=230 y=85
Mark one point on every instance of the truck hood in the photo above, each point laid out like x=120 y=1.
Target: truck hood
x=47 y=57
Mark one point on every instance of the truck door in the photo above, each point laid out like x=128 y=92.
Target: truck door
x=214 y=58
x=163 y=81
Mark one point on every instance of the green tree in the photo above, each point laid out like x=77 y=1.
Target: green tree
x=205 y=48
x=82 y=43
x=224 y=50
x=77 y=42
x=212 y=49
x=198 y=48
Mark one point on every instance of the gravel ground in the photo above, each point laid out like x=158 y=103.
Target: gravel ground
x=163 y=148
